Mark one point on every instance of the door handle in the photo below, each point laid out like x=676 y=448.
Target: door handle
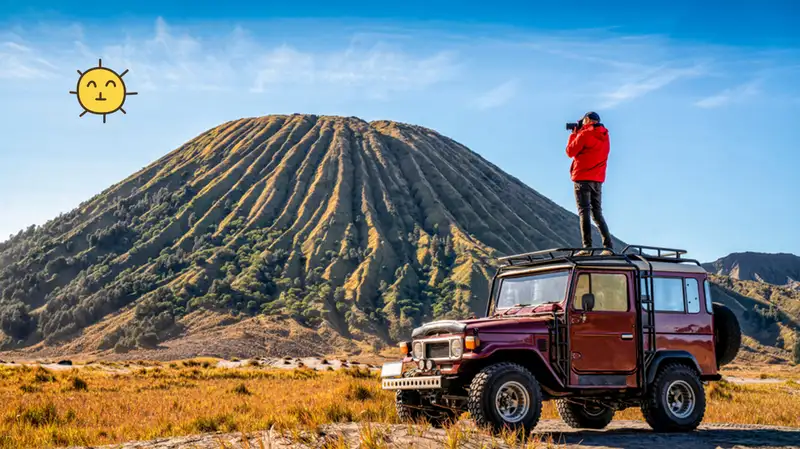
x=578 y=319
x=626 y=336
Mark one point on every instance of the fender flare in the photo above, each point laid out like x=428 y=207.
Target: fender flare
x=524 y=355
x=662 y=357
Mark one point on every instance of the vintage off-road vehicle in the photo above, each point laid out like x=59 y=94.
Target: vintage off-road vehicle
x=597 y=333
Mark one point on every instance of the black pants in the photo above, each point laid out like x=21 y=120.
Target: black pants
x=588 y=197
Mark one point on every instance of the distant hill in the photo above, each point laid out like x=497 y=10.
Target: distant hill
x=778 y=269
x=344 y=227
x=769 y=316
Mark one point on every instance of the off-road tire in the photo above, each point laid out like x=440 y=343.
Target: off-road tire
x=578 y=417
x=727 y=334
x=407 y=403
x=656 y=407
x=483 y=393
x=410 y=409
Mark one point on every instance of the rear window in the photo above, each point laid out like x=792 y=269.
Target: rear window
x=675 y=294
x=692 y=296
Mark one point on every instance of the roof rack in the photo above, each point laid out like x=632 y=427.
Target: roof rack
x=571 y=255
x=547 y=255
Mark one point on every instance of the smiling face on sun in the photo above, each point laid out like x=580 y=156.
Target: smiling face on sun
x=101 y=91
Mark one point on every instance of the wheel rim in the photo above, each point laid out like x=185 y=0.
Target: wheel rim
x=512 y=401
x=680 y=399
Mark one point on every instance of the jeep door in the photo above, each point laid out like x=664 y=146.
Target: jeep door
x=602 y=339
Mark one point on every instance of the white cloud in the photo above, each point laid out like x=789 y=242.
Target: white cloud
x=21 y=62
x=16 y=46
x=648 y=81
x=170 y=58
x=606 y=68
x=497 y=96
x=728 y=96
x=378 y=70
x=12 y=66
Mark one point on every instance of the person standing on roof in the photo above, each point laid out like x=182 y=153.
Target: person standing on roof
x=588 y=147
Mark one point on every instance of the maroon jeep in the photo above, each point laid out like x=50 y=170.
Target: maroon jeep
x=597 y=333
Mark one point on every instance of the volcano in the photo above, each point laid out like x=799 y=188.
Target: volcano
x=359 y=229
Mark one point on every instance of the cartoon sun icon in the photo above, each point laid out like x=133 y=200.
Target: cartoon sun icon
x=101 y=91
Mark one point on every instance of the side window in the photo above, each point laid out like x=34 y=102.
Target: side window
x=581 y=288
x=610 y=291
x=707 y=288
x=692 y=295
x=668 y=294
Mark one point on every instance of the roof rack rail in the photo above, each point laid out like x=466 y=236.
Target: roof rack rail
x=662 y=254
x=660 y=251
x=550 y=254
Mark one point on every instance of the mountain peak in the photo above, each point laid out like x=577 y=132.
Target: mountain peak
x=773 y=268
x=363 y=228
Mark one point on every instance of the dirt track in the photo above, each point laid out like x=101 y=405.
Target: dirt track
x=620 y=434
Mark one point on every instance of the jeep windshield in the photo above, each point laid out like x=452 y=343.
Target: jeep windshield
x=531 y=290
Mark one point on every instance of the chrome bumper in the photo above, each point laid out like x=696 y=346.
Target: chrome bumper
x=413 y=383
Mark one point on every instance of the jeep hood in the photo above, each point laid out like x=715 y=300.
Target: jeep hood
x=510 y=324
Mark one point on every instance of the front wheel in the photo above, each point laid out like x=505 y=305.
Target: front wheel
x=411 y=408
x=505 y=395
x=676 y=402
x=584 y=416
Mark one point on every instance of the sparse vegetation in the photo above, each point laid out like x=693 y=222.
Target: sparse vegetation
x=171 y=399
x=796 y=350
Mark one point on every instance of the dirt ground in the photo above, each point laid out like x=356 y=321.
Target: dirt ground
x=620 y=434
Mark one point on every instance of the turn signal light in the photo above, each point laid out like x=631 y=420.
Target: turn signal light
x=472 y=342
x=405 y=348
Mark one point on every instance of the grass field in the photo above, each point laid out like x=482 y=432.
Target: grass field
x=96 y=404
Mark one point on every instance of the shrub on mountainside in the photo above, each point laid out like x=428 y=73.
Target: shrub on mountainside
x=15 y=321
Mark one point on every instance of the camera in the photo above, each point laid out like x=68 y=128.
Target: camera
x=576 y=126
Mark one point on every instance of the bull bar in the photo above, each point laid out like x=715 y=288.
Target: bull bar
x=413 y=383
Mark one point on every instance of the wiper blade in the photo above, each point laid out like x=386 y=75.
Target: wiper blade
x=515 y=306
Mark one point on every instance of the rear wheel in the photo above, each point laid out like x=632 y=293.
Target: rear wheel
x=505 y=395
x=584 y=416
x=676 y=401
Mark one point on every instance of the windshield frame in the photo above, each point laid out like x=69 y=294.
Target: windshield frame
x=498 y=286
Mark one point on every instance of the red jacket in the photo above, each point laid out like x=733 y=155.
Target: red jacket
x=589 y=149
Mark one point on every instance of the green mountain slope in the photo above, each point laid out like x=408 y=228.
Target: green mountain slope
x=769 y=315
x=365 y=229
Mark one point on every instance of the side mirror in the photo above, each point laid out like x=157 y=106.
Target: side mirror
x=587 y=302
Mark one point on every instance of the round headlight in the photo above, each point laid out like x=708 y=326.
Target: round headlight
x=421 y=364
x=456 y=347
x=429 y=364
x=418 y=350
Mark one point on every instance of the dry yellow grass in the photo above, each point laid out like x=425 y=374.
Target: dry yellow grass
x=93 y=405
x=788 y=372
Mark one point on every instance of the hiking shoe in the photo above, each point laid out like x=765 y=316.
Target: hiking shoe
x=606 y=252
x=583 y=252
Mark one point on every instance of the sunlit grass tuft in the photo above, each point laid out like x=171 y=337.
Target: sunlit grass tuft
x=47 y=409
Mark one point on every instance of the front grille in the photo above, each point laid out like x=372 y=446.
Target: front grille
x=440 y=350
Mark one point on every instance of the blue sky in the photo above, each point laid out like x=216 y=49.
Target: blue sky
x=700 y=100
